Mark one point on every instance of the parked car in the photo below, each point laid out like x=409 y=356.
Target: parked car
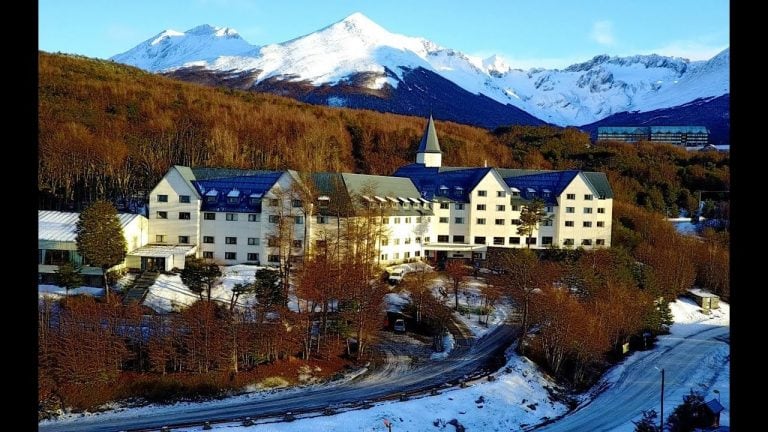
x=395 y=277
x=399 y=326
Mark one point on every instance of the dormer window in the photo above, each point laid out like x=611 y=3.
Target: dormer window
x=324 y=200
x=255 y=199
x=212 y=196
x=233 y=197
x=443 y=190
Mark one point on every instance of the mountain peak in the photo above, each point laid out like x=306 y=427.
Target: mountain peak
x=209 y=30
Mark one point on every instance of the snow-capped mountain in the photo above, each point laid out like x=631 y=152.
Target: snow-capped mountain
x=361 y=57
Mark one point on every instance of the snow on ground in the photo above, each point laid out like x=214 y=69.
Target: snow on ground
x=448 y=343
x=689 y=320
x=517 y=398
x=169 y=293
x=471 y=296
x=55 y=291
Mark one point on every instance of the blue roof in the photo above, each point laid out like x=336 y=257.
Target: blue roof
x=234 y=194
x=443 y=184
x=679 y=129
x=546 y=186
x=637 y=130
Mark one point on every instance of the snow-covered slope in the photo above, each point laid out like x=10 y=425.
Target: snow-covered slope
x=170 y=48
x=579 y=94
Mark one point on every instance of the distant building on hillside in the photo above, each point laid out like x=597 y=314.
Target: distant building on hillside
x=684 y=136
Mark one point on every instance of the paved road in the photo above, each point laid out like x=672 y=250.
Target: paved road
x=468 y=357
x=638 y=387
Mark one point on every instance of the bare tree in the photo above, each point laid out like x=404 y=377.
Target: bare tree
x=456 y=272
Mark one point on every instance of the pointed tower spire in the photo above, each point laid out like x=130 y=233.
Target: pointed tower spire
x=429 y=152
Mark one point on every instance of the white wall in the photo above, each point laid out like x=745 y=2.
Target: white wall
x=578 y=233
x=173 y=185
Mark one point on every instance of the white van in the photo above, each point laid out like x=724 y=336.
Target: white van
x=399 y=326
x=396 y=276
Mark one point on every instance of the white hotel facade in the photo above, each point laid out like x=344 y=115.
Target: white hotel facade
x=426 y=210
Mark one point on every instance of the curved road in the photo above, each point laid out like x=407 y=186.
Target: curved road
x=638 y=386
x=467 y=358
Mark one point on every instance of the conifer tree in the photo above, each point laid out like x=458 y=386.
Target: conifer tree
x=100 y=238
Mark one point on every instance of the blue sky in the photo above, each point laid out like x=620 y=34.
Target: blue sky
x=529 y=33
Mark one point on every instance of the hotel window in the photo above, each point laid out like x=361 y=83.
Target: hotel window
x=396 y=255
x=184 y=199
x=600 y=224
x=546 y=240
x=550 y=209
x=162 y=198
x=568 y=242
x=530 y=240
x=231 y=217
x=253 y=257
x=322 y=219
x=253 y=241
x=230 y=240
x=442 y=239
x=208 y=255
x=481 y=221
x=570 y=209
x=184 y=215
x=385 y=221
x=183 y=239
x=459 y=220
x=515 y=208
x=514 y=240
x=443 y=220
x=481 y=207
x=482 y=193
x=570 y=196
x=587 y=210
x=296 y=203
x=209 y=216
x=208 y=239
x=407 y=220
x=516 y=222
x=417 y=253
x=500 y=194
x=426 y=239
x=406 y=255
x=501 y=208
x=160 y=238
x=586 y=224
x=417 y=240
x=396 y=220
x=232 y=200
x=569 y=223
x=230 y=255
x=383 y=257
x=546 y=222
x=586 y=242
x=384 y=241
x=459 y=206
x=272 y=242
x=499 y=241
x=458 y=239
x=407 y=240
x=273 y=258
x=588 y=197
x=298 y=220
x=397 y=241
x=298 y=244
x=444 y=206
x=479 y=240
x=600 y=242
x=162 y=215
x=254 y=217
x=273 y=202
x=418 y=219
x=601 y=210
x=274 y=219
x=499 y=221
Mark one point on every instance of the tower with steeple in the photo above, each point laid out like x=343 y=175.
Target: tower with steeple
x=429 y=153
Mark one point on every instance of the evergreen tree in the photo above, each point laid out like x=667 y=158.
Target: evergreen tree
x=531 y=216
x=68 y=277
x=100 y=238
x=200 y=275
x=689 y=415
x=647 y=423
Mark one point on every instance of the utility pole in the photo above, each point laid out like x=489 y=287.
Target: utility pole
x=661 y=420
